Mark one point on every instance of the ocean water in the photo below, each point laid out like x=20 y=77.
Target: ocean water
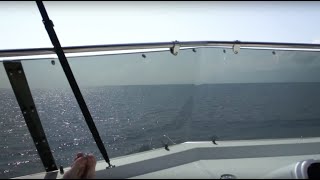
x=132 y=119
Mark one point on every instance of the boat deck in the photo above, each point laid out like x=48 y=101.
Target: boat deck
x=205 y=160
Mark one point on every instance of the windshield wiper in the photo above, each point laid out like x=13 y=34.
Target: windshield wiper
x=72 y=81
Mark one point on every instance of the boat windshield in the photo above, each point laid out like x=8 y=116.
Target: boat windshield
x=146 y=96
x=143 y=100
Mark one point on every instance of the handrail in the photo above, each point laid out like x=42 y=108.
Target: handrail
x=158 y=45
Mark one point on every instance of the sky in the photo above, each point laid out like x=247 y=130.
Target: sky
x=111 y=22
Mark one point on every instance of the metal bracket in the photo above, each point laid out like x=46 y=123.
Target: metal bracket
x=175 y=49
x=166 y=145
x=24 y=98
x=236 y=47
x=213 y=139
x=110 y=166
x=61 y=170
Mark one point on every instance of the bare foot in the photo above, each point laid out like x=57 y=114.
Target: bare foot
x=91 y=167
x=79 y=154
x=78 y=168
x=83 y=167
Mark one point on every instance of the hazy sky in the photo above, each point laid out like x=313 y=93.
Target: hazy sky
x=106 y=22
x=88 y=23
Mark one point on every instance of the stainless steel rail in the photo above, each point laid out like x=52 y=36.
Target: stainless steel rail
x=158 y=45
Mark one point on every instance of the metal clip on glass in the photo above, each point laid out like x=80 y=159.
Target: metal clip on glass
x=175 y=49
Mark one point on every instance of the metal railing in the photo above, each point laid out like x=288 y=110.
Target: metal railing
x=159 y=45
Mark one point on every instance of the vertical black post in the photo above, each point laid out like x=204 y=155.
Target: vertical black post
x=23 y=95
x=72 y=81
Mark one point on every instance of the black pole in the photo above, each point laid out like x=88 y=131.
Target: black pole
x=72 y=81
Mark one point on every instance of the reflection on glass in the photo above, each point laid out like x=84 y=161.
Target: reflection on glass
x=256 y=94
x=138 y=101
x=201 y=94
x=18 y=154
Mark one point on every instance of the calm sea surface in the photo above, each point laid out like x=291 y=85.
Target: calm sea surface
x=136 y=118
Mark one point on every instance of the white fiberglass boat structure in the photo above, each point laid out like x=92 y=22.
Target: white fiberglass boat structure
x=265 y=159
x=294 y=158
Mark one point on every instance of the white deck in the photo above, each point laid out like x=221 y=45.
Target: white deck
x=244 y=159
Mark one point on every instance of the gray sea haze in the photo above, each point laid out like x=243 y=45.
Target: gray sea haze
x=136 y=118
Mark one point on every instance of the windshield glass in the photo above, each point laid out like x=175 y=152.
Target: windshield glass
x=141 y=101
